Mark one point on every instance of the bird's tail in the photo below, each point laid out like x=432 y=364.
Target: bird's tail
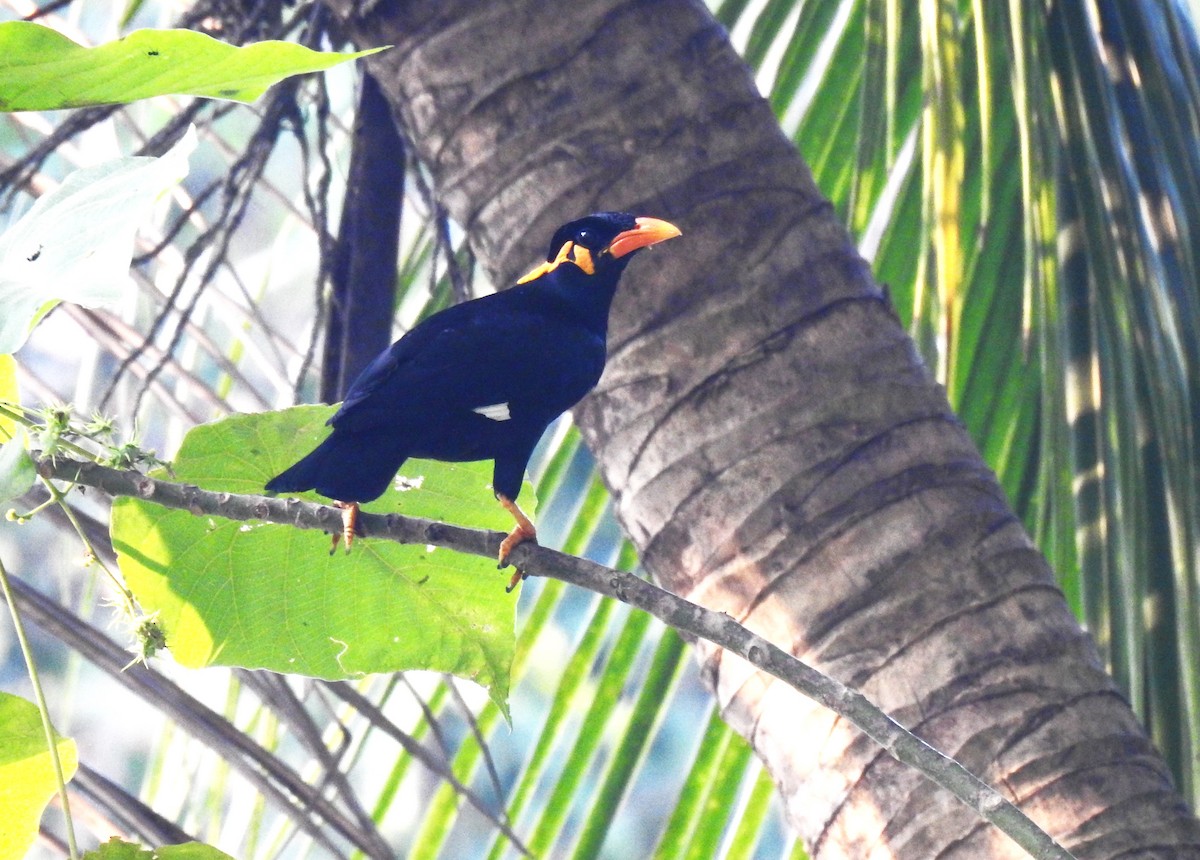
x=297 y=478
x=345 y=467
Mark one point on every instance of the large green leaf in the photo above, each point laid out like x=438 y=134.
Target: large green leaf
x=27 y=780
x=271 y=597
x=41 y=69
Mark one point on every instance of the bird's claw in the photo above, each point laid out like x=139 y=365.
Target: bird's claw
x=517 y=536
x=522 y=533
x=349 y=526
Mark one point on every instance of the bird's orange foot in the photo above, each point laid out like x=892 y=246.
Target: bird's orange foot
x=522 y=533
x=349 y=525
x=518 y=574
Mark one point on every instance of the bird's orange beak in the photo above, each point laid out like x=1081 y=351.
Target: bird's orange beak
x=649 y=231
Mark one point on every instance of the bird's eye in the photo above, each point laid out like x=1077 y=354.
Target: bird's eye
x=584 y=236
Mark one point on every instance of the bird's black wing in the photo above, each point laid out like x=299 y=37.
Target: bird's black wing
x=501 y=347
x=387 y=378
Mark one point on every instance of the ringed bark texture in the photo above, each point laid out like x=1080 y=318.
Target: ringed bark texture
x=775 y=447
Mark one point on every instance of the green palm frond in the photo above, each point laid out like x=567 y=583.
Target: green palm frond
x=1055 y=292
x=1041 y=159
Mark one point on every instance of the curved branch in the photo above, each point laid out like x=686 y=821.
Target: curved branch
x=534 y=560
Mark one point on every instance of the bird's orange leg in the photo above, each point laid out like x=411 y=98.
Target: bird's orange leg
x=349 y=525
x=523 y=532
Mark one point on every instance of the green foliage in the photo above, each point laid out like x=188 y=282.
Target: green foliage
x=653 y=700
x=117 y=849
x=27 y=780
x=272 y=597
x=41 y=69
x=76 y=242
x=17 y=472
x=8 y=395
x=1131 y=293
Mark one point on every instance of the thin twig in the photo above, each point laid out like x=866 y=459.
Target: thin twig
x=43 y=710
x=469 y=716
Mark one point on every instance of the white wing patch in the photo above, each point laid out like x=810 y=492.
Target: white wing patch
x=496 y=411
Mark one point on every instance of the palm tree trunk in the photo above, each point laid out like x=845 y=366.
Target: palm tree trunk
x=774 y=445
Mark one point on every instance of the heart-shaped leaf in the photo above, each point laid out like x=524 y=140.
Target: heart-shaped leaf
x=270 y=596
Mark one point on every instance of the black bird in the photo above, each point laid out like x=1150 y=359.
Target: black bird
x=483 y=379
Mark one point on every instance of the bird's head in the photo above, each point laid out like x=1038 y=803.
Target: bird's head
x=602 y=244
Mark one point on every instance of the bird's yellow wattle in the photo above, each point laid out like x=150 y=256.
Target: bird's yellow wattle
x=582 y=258
x=568 y=253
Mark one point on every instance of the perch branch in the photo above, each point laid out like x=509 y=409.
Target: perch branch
x=534 y=560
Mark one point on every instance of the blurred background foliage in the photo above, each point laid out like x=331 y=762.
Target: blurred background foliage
x=1023 y=176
